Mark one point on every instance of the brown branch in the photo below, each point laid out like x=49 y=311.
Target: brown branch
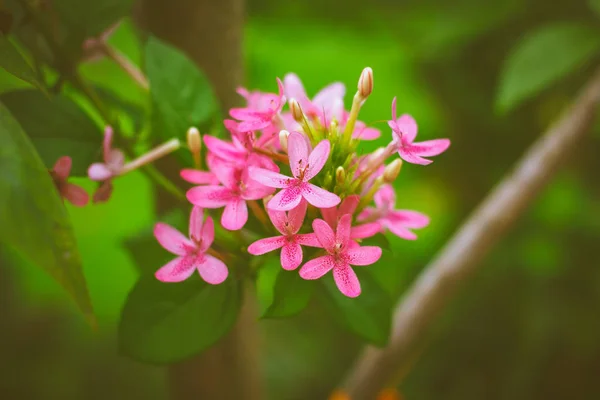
x=462 y=255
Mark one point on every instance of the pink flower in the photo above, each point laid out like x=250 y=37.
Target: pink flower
x=404 y=131
x=332 y=216
x=198 y=177
x=326 y=104
x=288 y=224
x=340 y=256
x=233 y=192
x=399 y=222
x=304 y=165
x=60 y=172
x=113 y=160
x=237 y=154
x=261 y=115
x=191 y=252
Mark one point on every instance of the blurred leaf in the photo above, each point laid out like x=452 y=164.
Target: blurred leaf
x=368 y=315
x=542 y=57
x=168 y=322
x=377 y=240
x=285 y=291
x=13 y=62
x=57 y=127
x=181 y=94
x=595 y=5
x=122 y=107
x=33 y=219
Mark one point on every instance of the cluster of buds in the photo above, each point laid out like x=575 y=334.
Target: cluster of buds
x=302 y=177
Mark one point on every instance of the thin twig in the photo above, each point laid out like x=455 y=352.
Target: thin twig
x=463 y=254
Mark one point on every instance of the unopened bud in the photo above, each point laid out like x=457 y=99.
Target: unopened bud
x=193 y=140
x=375 y=158
x=391 y=171
x=365 y=83
x=283 y=139
x=340 y=175
x=296 y=110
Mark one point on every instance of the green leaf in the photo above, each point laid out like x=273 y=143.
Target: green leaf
x=377 y=240
x=13 y=62
x=181 y=94
x=282 y=293
x=33 y=219
x=168 y=322
x=57 y=127
x=595 y=6
x=543 y=57
x=368 y=315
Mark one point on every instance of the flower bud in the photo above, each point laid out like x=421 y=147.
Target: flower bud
x=296 y=110
x=365 y=83
x=283 y=139
x=375 y=158
x=193 y=140
x=391 y=171
x=340 y=175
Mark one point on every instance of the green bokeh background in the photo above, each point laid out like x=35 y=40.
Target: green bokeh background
x=527 y=325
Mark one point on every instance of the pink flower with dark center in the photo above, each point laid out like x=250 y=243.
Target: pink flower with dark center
x=332 y=216
x=340 y=256
x=404 y=131
x=237 y=154
x=288 y=224
x=232 y=194
x=304 y=165
x=73 y=193
x=191 y=251
x=399 y=222
x=253 y=119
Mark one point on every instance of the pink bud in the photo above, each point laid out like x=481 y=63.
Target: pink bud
x=365 y=83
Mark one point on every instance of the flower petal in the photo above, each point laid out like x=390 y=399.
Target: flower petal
x=348 y=205
x=223 y=149
x=176 y=270
x=406 y=153
x=342 y=234
x=266 y=245
x=318 y=197
x=209 y=196
x=316 y=268
x=295 y=216
x=195 y=226
x=212 y=270
x=62 y=167
x=385 y=198
x=407 y=127
x=307 y=239
x=235 y=214
x=408 y=218
x=297 y=153
x=291 y=256
x=293 y=89
x=346 y=280
x=324 y=234
x=328 y=94
x=269 y=178
x=171 y=239
x=365 y=255
x=317 y=159
x=207 y=236
x=278 y=218
x=107 y=143
x=330 y=214
x=365 y=230
x=75 y=194
x=286 y=199
x=198 y=177
x=103 y=193
x=430 y=148
x=99 y=172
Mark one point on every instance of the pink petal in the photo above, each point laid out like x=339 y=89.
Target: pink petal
x=99 y=172
x=324 y=234
x=195 y=228
x=346 y=280
x=348 y=205
x=62 y=167
x=430 y=148
x=171 y=239
x=365 y=255
x=296 y=216
x=316 y=268
x=107 y=142
x=330 y=216
x=266 y=245
x=252 y=190
x=362 y=132
x=365 y=230
x=409 y=156
x=223 y=149
x=176 y=270
x=408 y=128
x=115 y=160
x=235 y=214
x=329 y=94
x=385 y=197
x=317 y=159
x=293 y=89
x=291 y=256
x=269 y=178
x=342 y=234
x=226 y=174
x=394 y=109
x=307 y=239
x=209 y=196
x=198 y=177
x=278 y=218
x=207 y=236
x=255 y=124
x=103 y=193
x=75 y=194
x=298 y=153
x=212 y=270
x=245 y=114
x=408 y=218
x=286 y=199
x=318 y=197
x=399 y=230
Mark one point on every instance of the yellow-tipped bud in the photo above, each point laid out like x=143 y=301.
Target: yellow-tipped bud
x=283 y=139
x=365 y=83
x=391 y=171
x=340 y=175
x=296 y=110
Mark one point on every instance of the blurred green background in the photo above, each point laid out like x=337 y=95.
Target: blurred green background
x=527 y=326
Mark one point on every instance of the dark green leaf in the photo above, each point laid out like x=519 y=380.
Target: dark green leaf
x=33 y=219
x=181 y=94
x=13 y=62
x=368 y=315
x=542 y=57
x=122 y=107
x=378 y=240
x=168 y=322
x=57 y=127
x=282 y=293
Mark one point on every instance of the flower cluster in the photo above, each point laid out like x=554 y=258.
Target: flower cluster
x=308 y=188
